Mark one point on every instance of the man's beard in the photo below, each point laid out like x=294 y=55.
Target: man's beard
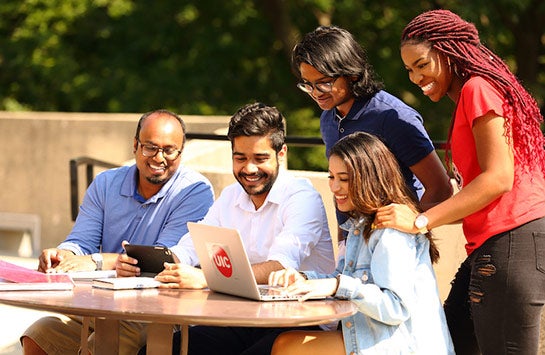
x=157 y=180
x=259 y=189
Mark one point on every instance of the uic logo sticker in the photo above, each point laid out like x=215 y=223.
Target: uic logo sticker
x=222 y=261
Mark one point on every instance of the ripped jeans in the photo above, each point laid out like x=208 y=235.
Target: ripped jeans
x=494 y=305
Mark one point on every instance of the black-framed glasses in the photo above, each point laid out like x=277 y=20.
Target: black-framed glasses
x=150 y=150
x=323 y=87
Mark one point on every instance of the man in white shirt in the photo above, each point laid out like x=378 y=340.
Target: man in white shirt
x=281 y=219
x=283 y=226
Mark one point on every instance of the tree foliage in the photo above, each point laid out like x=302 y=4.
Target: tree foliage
x=210 y=57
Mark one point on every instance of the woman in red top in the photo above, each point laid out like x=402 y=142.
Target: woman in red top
x=498 y=158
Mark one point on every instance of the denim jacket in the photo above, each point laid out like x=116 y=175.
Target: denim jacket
x=391 y=280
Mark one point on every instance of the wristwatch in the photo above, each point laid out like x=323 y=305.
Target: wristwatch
x=97 y=258
x=421 y=223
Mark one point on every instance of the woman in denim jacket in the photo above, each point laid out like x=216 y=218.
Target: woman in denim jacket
x=387 y=273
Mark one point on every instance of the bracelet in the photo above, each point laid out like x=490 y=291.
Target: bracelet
x=304 y=275
x=338 y=277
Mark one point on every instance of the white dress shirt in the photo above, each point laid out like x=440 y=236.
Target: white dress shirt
x=290 y=227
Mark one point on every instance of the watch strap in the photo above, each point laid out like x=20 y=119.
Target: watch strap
x=98 y=259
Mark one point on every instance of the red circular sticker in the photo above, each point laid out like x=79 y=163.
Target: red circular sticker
x=222 y=261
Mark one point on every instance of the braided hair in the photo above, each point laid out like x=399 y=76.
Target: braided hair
x=459 y=41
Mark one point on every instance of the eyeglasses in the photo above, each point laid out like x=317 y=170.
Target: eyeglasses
x=150 y=150
x=323 y=87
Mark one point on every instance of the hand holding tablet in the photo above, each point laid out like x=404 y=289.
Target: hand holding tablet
x=151 y=258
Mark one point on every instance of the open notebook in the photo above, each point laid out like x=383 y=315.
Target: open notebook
x=226 y=266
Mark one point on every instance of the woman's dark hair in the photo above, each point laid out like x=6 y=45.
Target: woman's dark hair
x=334 y=52
x=374 y=180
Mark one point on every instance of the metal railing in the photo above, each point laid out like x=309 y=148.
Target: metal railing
x=290 y=140
x=90 y=164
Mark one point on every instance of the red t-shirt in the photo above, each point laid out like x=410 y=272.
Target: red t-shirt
x=524 y=203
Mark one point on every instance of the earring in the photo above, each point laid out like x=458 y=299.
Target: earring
x=457 y=72
x=451 y=67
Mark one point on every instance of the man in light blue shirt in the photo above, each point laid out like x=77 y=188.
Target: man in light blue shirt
x=159 y=220
x=149 y=202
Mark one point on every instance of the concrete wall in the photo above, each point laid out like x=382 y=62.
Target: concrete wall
x=34 y=169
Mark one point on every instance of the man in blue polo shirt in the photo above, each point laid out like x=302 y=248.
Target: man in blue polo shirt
x=149 y=202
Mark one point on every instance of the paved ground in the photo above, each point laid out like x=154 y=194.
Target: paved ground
x=15 y=320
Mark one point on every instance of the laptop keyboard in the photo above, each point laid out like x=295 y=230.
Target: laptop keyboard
x=275 y=293
x=266 y=291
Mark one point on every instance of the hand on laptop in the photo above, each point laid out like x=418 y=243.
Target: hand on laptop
x=296 y=284
x=285 y=277
x=181 y=276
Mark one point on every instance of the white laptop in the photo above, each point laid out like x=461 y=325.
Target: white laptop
x=226 y=266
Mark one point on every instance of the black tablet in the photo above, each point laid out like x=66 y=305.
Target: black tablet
x=150 y=258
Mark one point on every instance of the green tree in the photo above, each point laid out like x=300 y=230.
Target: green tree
x=210 y=57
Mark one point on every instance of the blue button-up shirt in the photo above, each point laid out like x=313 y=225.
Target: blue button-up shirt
x=113 y=211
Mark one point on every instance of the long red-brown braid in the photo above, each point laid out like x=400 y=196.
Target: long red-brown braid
x=459 y=41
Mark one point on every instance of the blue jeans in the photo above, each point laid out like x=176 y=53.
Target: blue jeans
x=494 y=305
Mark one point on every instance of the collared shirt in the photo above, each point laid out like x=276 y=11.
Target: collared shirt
x=391 y=280
x=398 y=125
x=290 y=227
x=112 y=211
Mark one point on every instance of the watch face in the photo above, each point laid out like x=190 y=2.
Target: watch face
x=421 y=221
